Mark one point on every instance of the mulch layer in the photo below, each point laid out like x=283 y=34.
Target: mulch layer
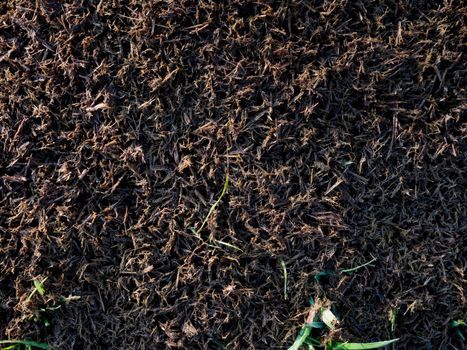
x=338 y=123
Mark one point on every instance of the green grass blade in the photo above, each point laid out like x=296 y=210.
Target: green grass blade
x=304 y=333
x=211 y=210
x=39 y=286
x=392 y=319
x=11 y=347
x=27 y=343
x=304 y=336
x=284 y=272
x=228 y=245
x=358 y=267
x=363 y=346
x=31 y=294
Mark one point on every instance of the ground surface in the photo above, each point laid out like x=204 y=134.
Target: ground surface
x=339 y=124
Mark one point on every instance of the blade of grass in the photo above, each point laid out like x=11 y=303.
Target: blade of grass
x=211 y=210
x=284 y=272
x=328 y=318
x=26 y=343
x=11 y=347
x=362 y=346
x=304 y=338
x=392 y=319
x=228 y=245
x=358 y=267
x=38 y=287
x=304 y=335
x=456 y=324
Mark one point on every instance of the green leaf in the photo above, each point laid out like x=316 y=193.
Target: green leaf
x=302 y=336
x=392 y=319
x=40 y=287
x=457 y=323
x=363 y=346
x=11 y=347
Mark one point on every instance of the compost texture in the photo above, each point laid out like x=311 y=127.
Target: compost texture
x=338 y=123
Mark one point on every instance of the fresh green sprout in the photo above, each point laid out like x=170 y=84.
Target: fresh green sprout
x=211 y=210
x=39 y=314
x=358 y=267
x=38 y=287
x=457 y=325
x=347 y=271
x=216 y=203
x=392 y=319
x=28 y=344
x=284 y=272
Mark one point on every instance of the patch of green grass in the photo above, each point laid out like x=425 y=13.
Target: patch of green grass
x=17 y=344
x=40 y=314
x=320 y=316
x=457 y=325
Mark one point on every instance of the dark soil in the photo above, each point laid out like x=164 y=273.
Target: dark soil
x=340 y=126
